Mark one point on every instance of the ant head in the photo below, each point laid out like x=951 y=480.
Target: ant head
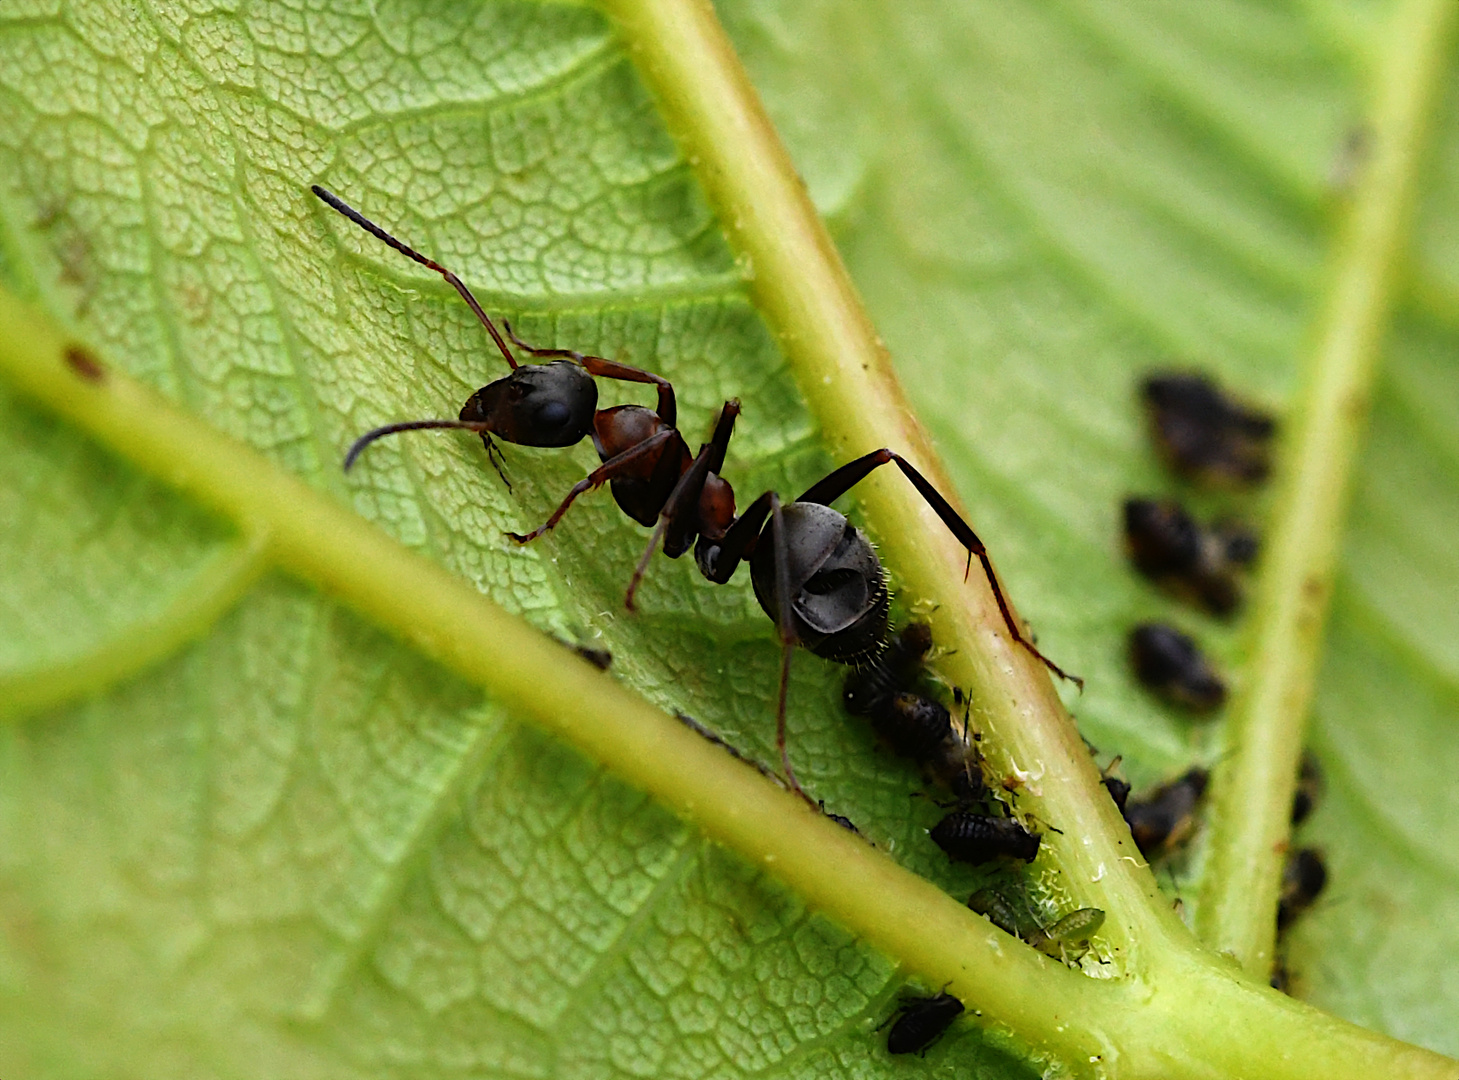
x=537 y=405
x=839 y=599
x=548 y=404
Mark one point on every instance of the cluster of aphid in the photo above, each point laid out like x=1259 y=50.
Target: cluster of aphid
x=820 y=581
x=977 y=829
x=1305 y=875
x=1209 y=439
x=887 y=691
x=1212 y=440
x=1205 y=437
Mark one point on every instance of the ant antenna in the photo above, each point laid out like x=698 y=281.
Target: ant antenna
x=358 y=447
x=409 y=252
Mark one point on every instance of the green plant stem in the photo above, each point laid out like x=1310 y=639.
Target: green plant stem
x=1158 y=1025
x=1252 y=789
x=311 y=536
x=801 y=287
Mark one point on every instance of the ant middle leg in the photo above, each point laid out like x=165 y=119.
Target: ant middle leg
x=618 y=465
x=849 y=475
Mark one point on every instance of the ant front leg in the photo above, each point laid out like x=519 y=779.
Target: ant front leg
x=667 y=410
x=719 y=560
x=615 y=466
x=849 y=475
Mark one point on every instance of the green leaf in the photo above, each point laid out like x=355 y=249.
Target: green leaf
x=241 y=824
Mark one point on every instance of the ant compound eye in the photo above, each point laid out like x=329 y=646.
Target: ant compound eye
x=553 y=414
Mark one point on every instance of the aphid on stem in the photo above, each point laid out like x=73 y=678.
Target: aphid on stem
x=920 y=1021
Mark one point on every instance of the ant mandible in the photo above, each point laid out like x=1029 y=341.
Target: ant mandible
x=802 y=550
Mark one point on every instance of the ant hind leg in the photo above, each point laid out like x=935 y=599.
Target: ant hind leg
x=842 y=480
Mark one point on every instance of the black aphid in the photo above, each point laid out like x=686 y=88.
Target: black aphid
x=1161 y=819
x=886 y=689
x=1303 y=880
x=1118 y=788
x=978 y=838
x=1205 y=435
x=1309 y=788
x=920 y=1022
x=1206 y=564
x=844 y=822
x=1169 y=663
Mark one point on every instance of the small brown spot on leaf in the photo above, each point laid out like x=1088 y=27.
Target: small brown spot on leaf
x=84 y=364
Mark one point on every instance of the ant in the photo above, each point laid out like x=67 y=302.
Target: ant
x=645 y=459
x=814 y=574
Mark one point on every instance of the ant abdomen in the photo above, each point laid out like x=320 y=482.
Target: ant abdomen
x=841 y=604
